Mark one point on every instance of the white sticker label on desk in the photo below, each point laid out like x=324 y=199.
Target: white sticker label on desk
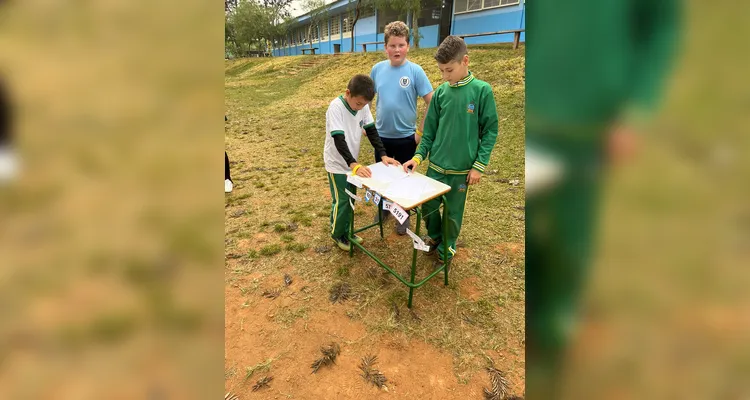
x=387 y=205
x=399 y=213
x=354 y=180
x=376 y=198
x=419 y=244
x=352 y=195
x=368 y=196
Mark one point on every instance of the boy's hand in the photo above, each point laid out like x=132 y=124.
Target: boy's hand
x=411 y=164
x=622 y=144
x=473 y=177
x=364 y=172
x=389 y=161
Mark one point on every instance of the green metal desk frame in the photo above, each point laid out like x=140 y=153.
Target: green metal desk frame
x=410 y=284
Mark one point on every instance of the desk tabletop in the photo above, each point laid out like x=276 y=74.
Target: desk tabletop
x=407 y=190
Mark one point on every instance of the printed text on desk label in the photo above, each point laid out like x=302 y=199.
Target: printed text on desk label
x=399 y=213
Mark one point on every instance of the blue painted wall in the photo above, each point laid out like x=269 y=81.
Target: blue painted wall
x=366 y=26
x=510 y=17
x=429 y=36
x=497 y=19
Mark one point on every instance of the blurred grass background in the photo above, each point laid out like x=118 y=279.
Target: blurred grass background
x=667 y=313
x=111 y=237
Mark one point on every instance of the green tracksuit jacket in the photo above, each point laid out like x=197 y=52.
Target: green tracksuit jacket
x=459 y=133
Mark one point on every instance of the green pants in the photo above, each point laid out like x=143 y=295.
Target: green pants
x=341 y=210
x=559 y=241
x=456 y=204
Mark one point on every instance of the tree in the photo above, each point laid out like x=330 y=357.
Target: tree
x=279 y=9
x=249 y=25
x=357 y=9
x=406 y=6
x=318 y=12
x=229 y=5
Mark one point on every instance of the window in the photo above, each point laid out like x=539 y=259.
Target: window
x=430 y=14
x=335 y=25
x=463 y=6
x=324 y=30
x=314 y=33
x=348 y=22
x=386 y=16
x=366 y=12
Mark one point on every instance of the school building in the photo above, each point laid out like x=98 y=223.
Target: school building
x=438 y=19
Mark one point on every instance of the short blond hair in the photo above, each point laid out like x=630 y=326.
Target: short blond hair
x=396 y=28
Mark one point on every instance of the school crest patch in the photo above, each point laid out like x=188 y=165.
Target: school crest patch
x=404 y=81
x=470 y=108
x=462 y=188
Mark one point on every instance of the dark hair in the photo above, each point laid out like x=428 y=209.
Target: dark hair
x=453 y=48
x=361 y=85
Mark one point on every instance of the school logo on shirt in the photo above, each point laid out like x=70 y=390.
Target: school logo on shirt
x=361 y=123
x=462 y=188
x=470 y=108
x=404 y=81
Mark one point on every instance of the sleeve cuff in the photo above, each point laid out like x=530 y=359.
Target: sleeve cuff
x=334 y=133
x=479 y=166
x=417 y=158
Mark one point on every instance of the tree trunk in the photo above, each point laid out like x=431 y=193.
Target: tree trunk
x=356 y=18
x=414 y=26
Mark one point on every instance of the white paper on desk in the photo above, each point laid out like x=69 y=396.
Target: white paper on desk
x=386 y=173
x=410 y=188
x=354 y=180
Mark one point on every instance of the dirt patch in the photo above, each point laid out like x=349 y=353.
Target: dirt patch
x=510 y=248
x=462 y=254
x=285 y=334
x=469 y=288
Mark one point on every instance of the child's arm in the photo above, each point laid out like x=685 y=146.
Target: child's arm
x=340 y=141
x=487 y=135
x=335 y=127
x=488 y=128
x=430 y=130
x=343 y=148
x=374 y=138
x=425 y=91
x=377 y=144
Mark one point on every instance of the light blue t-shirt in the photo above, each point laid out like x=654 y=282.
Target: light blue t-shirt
x=397 y=89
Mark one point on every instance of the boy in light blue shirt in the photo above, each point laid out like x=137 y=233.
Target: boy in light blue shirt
x=398 y=84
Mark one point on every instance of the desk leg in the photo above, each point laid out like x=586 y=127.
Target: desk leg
x=446 y=260
x=351 y=229
x=414 y=255
x=516 y=40
x=379 y=211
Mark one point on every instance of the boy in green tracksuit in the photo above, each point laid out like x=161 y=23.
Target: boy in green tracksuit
x=459 y=133
x=583 y=99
